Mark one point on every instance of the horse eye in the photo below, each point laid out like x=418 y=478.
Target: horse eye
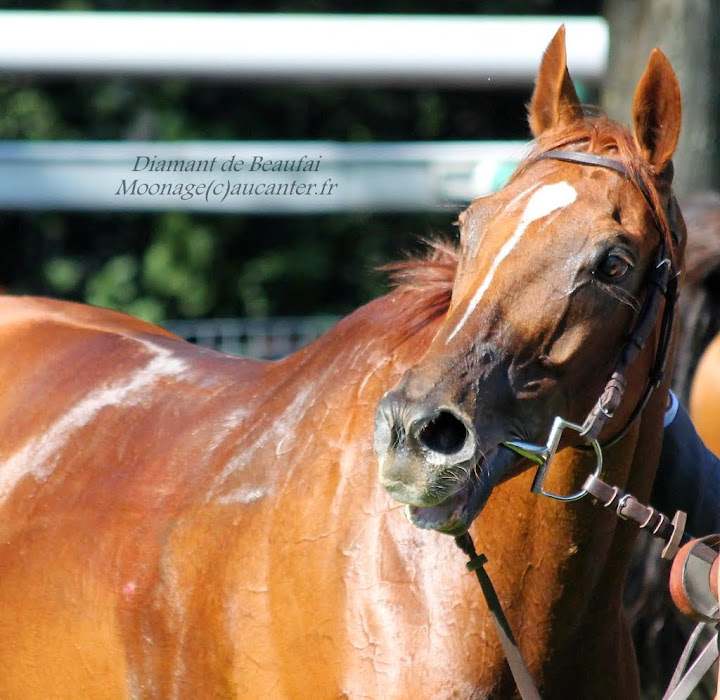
x=613 y=267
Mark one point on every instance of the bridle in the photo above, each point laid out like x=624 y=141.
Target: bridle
x=661 y=284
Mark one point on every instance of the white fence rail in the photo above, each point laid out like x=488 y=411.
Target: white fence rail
x=473 y=51
x=251 y=177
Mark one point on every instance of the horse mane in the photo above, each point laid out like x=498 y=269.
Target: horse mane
x=426 y=281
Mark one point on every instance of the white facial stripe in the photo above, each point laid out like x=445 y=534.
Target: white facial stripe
x=542 y=202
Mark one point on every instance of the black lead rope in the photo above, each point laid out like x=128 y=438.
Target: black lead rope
x=523 y=680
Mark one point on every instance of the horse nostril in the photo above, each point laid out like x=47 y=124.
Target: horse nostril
x=445 y=434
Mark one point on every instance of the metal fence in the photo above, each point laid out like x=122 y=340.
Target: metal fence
x=263 y=338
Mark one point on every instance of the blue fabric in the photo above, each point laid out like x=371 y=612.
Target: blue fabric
x=688 y=477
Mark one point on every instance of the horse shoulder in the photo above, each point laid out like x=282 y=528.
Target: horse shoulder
x=110 y=431
x=163 y=489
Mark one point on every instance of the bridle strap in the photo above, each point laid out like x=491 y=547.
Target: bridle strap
x=584 y=159
x=662 y=283
x=520 y=673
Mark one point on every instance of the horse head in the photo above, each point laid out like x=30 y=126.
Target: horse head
x=553 y=270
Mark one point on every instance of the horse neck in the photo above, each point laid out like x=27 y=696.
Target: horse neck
x=559 y=568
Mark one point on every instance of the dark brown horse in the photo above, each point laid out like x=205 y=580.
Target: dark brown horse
x=703 y=326
x=181 y=524
x=659 y=630
x=699 y=304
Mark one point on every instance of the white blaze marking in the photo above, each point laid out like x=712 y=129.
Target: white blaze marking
x=542 y=202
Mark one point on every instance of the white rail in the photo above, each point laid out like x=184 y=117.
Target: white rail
x=251 y=176
x=477 y=52
x=473 y=51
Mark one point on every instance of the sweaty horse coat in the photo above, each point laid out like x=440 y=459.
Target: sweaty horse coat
x=180 y=524
x=177 y=523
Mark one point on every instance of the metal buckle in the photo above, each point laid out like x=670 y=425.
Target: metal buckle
x=607 y=412
x=621 y=506
x=543 y=455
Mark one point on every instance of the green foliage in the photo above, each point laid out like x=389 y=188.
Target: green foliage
x=115 y=283
x=178 y=266
x=28 y=113
x=63 y=274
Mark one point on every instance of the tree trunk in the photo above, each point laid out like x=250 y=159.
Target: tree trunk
x=687 y=31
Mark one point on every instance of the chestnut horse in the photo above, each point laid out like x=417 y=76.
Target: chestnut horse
x=181 y=524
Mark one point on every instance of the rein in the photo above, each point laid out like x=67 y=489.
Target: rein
x=661 y=283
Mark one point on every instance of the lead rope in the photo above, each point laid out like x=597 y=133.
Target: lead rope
x=523 y=680
x=687 y=676
x=626 y=507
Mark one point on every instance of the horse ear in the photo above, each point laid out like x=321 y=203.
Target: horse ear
x=554 y=101
x=657 y=111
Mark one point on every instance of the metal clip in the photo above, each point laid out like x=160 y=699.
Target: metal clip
x=607 y=412
x=543 y=455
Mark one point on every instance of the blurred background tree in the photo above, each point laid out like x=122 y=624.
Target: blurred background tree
x=687 y=32
x=173 y=265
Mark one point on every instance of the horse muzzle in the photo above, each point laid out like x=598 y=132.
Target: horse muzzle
x=420 y=447
x=427 y=459
x=430 y=459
